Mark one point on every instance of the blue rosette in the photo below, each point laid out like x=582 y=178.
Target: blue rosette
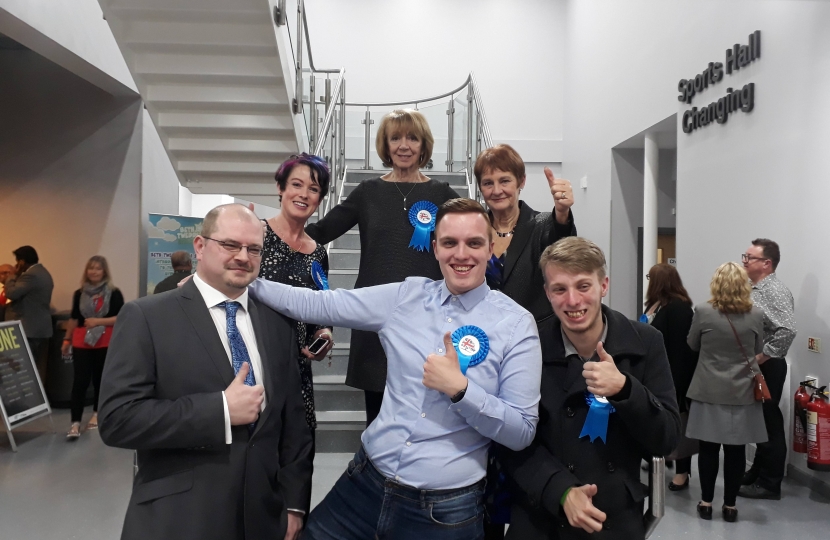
x=422 y=216
x=472 y=346
x=318 y=275
x=596 y=423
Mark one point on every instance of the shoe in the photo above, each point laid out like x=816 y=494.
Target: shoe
x=680 y=487
x=74 y=431
x=750 y=477
x=757 y=492
x=705 y=512
x=93 y=422
x=730 y=514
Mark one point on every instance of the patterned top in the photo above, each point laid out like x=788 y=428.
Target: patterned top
x=776 y=301
x=282 y=264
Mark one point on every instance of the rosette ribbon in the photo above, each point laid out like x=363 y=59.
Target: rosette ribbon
x=318 y=275
x=422 y=216
x=472 y=346
x=596 y=423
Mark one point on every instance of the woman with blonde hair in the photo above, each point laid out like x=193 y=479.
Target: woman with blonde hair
x=395 y=214
x=95 y=307
x=728 y=331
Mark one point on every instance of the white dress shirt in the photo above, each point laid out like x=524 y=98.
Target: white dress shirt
x=213 y=298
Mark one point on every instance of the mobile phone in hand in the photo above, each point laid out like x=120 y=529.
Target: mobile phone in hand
x=318 y=345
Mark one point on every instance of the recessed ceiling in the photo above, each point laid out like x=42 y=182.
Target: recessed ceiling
x=666 y=131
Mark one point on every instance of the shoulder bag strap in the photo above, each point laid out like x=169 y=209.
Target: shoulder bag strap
x=741 y=345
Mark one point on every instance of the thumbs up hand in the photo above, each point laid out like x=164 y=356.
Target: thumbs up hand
x=443 y=373
x=563 y=195
x=603 y=378
x=244 y=402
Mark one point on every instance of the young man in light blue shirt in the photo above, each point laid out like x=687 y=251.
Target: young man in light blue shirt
x=420 y=472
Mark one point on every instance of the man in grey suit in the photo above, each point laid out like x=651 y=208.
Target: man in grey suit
x=29 y=291
x=203 y=382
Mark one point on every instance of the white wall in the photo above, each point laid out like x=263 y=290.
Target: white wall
x=395 y=50
x=70 y=165
x=762 y=174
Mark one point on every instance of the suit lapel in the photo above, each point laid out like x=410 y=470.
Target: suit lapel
x=268 y=369
x=524 y=230
x=196 y=310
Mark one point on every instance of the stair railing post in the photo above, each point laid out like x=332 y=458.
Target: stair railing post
x=470 y=130
x=298 y=83
x=450 y=115
x=367 y=121
x=342 y=132
x=312 y=121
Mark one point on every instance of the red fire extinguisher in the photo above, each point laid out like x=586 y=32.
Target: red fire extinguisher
x=802 y=397
x=818 y=431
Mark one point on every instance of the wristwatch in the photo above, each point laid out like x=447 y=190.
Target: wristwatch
x=459 y=396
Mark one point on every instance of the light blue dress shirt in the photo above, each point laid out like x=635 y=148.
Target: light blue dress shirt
x=420 y=438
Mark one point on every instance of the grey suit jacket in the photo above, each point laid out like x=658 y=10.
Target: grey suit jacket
x=722 y=375
x=161 y=394
x=30 y=295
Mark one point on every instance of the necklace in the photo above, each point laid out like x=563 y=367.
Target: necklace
x=504 y=234
x=407 y=194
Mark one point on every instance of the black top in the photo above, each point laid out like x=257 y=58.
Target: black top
x=116 y=303
x=171 y=282
x=377 y=208
x=521 y=278
x=674 y=320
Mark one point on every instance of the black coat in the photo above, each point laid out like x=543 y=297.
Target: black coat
x=674 y=320
x=646 y=423
x=523 y=280
x=161 y=394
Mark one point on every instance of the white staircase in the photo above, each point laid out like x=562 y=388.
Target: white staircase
x=217 y=78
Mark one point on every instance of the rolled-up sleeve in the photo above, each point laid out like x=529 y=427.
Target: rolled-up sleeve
x=510 y=417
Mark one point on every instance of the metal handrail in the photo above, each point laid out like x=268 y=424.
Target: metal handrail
x=335 y=95
x=485 y=127
x=412 y=101
x=308 y=48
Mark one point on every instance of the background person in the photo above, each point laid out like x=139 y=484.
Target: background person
x=203 y=383
x=763 y=479
x=182 y=268
x=724 y=410
x=95 y=308
x=522 y=233
x=29 y=294
x=380 y=208
x=6 y=270
x=668 y=308
x=570 y=482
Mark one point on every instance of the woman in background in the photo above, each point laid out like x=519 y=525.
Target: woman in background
x=95 y=307
x=728 y=331
x=391 y=250
x=668 y=308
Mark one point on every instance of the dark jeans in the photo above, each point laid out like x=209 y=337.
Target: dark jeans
x=364 y=504
x=373 y=403
x=734 y=461
x=771 y=456
x=88 y=365
x=40 y=353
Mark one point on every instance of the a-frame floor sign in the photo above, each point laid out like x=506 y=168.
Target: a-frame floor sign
x=22 y=397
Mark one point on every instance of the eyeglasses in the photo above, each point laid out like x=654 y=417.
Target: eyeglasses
x=747 y=258
x=233 y=247
x=648 y=276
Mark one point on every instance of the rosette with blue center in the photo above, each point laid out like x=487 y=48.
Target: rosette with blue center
x=596 y=423
x=422 y=216
x=318 y=275
x=472 y=346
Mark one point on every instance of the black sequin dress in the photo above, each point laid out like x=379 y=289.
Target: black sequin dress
x=282 y=264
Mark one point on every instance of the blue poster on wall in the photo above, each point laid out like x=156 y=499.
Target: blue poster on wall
x=167 y=235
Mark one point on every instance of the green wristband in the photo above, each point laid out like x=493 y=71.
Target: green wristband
x=564 y=496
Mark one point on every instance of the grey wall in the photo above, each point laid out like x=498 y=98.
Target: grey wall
x=70 y=164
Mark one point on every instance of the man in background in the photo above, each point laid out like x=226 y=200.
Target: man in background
x=763 y=479
x=182 y=268
x=29 y=291
x=6 y=270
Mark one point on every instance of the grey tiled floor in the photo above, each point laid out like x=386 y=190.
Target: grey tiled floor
x=51 y=490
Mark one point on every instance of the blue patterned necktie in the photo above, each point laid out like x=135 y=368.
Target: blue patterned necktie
x=239 y=352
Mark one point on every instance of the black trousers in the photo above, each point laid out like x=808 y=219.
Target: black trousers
x=771 y=456
x=373 y=402
x=683 y=465
x=88 y=365
x=734 y=460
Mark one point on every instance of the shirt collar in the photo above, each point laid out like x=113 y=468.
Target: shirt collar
x=571 y=350
x=764 y=282
x=213 y=297
x=469 y=299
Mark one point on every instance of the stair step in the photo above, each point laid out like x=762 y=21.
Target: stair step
x=341 y=420
x=344 y=259
x=337 y=397
x=336 y=366
x=337 y=441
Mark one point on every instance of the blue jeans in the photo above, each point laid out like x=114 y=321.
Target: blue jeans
x=364 y=504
